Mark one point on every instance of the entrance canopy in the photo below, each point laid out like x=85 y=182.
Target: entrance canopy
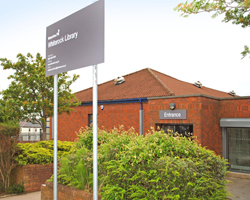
x=235 y=122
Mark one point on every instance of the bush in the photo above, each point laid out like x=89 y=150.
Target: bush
x=158 y=166
x=41 y=152
x=16 y=189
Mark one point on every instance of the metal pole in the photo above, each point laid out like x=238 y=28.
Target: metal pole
x=55 y=133
x=95 y=135
x=141 y=114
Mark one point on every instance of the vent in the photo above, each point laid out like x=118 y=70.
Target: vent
x=232 y=93
x=119 y=80
x=198 y=84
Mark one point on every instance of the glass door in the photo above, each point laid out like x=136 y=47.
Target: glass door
x=239 y=149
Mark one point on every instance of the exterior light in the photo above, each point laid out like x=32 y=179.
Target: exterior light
x=172 y=106
x=102 y=107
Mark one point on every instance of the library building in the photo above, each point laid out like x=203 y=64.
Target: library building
x=220 y=121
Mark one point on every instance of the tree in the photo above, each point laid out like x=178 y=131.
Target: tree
x=8 y=149
x=5 y=112
x=30 y=94
x=235 y=11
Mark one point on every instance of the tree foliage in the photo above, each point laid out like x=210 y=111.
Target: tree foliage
x=4 y=112
x=8 y=111
x=235 y=11
x=30 y=95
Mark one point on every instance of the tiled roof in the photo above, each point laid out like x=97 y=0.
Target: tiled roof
x=146 y=83
x=29 y=125
x=183 y=88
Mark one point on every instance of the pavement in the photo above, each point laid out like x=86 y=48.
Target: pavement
x=28 y=196
x=238 y=187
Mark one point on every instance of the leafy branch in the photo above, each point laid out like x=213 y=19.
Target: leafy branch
x=235 y=11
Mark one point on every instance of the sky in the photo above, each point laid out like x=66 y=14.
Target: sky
x=138 y=34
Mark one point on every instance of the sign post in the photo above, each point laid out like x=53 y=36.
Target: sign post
x=74 y=42
x=95 y=135
x=55 y=134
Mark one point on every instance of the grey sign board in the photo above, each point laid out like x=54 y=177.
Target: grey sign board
x=76 y=41
x=173 y=114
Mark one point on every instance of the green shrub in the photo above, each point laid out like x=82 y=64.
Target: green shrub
x=158 y=166
x=41 y=152
x=16 y=189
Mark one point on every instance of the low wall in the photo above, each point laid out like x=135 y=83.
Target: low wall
x=32 y=176
x=238 y=175
x=64 y=193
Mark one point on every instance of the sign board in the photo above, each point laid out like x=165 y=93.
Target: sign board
x=76 y=41
x=173 y=114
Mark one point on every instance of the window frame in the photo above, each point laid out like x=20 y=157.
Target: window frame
x=90 y=122
x=175 y=125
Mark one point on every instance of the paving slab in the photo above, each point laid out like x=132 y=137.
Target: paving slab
x=28 y=196
x=239 y=188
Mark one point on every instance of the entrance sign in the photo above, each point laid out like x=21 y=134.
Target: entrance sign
x=173 y=114
x=76 y=41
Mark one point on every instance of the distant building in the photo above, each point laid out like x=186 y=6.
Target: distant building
x=30 y=132
x=147 y=98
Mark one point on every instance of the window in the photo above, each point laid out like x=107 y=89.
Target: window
x=47 y=128
x=183 y=129
x=239 y=149
x=236 y=143
x=90 y=123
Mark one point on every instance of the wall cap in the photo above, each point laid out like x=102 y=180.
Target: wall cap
x=200 y=95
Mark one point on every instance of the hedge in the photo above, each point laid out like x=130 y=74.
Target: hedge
x=41 y=152
x=159 y=166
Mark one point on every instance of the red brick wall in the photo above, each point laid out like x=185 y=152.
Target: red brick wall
x=198 y=109
x=32 y=176
x=193 y=106
x=235 y=108
x=203 y=112
x=111 y=116
x=64 y=193
x=211 y=132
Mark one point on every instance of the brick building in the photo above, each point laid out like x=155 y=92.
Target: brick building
x=30 y=132
x=219 y=120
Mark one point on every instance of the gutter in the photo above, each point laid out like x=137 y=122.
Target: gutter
x=135 y=100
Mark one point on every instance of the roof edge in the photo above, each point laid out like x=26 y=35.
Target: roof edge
x=200 y=95
x=161 y=83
